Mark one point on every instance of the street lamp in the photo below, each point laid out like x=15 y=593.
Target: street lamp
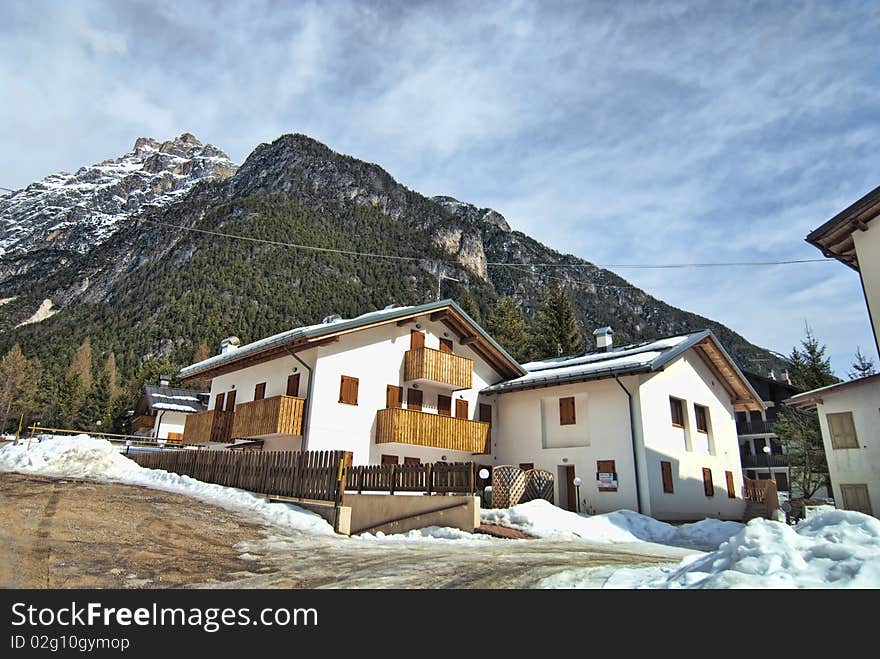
x=766 y=450
x=577 y=487
x=484 y=474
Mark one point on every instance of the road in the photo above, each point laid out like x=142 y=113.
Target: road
x=79 y=534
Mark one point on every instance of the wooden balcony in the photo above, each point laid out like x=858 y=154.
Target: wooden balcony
x=423 y=429
x=209 y=426
x=437 y=366
x=279 y=415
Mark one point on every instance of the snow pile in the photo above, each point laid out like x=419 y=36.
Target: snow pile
x=433 y=533
x=86 y=457
x=544 y=520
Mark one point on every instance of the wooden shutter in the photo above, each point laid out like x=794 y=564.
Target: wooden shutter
x=218 y=401
x=606 y=467
x=525 y=466
x=348 y=390
x=393 y=397
x=414 y=399
x=446 y=345
x=855 y=497
x=566 y=411
x=485 y=413
x=389 y=459
x=677 y=412
x=416 y=339
x=708 y=487
x=412 y=461
x=842 y=429
x=666 y=471
x=260 y=391
x=293 y=385
x=731 y=489
x=230 y=401
x=461 y=408
x=444 y=405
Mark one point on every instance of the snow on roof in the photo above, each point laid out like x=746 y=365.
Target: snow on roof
x=173 y=399
x=639 y=357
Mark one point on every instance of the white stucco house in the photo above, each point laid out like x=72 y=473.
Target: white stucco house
x=162 y=410
x=849 y=418
x=649 y=426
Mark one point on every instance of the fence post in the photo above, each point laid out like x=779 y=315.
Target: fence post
x=429 y=478
x=393 y=478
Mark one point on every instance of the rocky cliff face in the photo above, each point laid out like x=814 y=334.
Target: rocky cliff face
x=65 y=215
x=115 y=263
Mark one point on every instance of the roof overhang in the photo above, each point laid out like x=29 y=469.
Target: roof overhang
x=809 y=400
x=742 y=394
x=835 y=238
x=446 y=312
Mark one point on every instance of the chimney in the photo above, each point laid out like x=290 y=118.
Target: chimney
x=786 y=376
x=229 y=344
x=772 y=373
x=604 y=338
x=164 y=380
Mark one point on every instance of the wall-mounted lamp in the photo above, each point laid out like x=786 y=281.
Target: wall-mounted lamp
x=295 y=369
x=443 y=457
x=415 y=385
x=418 y=326
x=565 y=459
x=233 y=386
x=445 y=333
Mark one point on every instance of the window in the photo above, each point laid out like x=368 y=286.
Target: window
x=566 y=411
x=708 y=487
x=461 y=408
x=348 y=390
x=666 y=472
x=731 y=489
x=218 y=401
x=393 y=397
x=412 y=461
x=389 y=459
x=702 y=417
x=675 y=405
x=444 y=405
x=446 y=345
x=414 y=399
x=293 y=385
x=781 y=481
x=260 y=391
x=486 y=413
x=416 y=339
x=230 y=401
x=606 y=475
x=842 y=429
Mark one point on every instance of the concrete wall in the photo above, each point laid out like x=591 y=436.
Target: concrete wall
x=168 y=421
x=378 y=512
x=528 y=430
x=861 y=465
x=689 y=451
x=868 y=250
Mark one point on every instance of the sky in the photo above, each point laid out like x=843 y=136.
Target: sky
x=622 y=132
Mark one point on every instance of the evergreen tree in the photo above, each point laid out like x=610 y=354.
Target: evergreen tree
x=18 y=387
x=110 y=374
x=810 y=369
x=556 y=331
x=467 y=302
x=70 y=397
x=505 y=323
x=202 y=352
x=862 y=366
x=799 y=433
x=82 y=365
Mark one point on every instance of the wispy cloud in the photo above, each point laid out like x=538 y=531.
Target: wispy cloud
x=649 y=132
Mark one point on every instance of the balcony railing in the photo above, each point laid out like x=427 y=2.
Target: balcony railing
x=434 y=430
x=437 y=366
x=279 y=415
x=210 y=426
x=759 y=427
x=752 y=461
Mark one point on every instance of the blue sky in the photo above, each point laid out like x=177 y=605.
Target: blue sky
x=622 y=132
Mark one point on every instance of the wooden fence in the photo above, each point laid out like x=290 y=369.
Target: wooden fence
x=316 y=475
x=436 y=478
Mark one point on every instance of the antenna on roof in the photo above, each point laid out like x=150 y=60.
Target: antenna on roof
x=442 y=276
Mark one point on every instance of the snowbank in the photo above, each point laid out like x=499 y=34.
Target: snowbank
x=86 y=457
x=544 y=520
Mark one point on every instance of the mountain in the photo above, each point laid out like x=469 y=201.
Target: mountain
x=66 y=215
x=147 y=285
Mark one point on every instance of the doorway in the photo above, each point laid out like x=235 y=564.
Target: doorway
x=567 y=490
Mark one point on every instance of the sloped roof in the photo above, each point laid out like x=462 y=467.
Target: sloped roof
x=172 y=399
x=810 y=399
x=645 y=357
x=834 y=238
x=301 y=338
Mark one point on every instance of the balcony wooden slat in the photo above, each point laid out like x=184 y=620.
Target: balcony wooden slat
x=433 y=430
x=437 y=366
x=209 y=426
x=278 y=415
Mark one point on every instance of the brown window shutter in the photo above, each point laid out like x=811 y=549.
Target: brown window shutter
x=446 y=345
x=348 y=390
x=666 y=470
x=708 y=487
x=526 y=466
x=461 y=408
x=444 y=405
x=566 y=411
x=606 y=467
x=260 y=391
x=389 y=459
x=731 y=490
x=414 y=399
x=485 y=413
x=293 y=385
x=412 y=461
x=230 y=401
x=218 y=401
x=393 y=397
x=416 y=339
